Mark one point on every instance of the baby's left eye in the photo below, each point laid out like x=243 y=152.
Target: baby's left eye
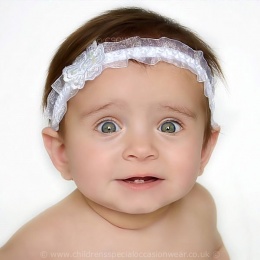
x=170 y=126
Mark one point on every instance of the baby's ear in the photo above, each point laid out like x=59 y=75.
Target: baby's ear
x=208 y=148
x=54 y=144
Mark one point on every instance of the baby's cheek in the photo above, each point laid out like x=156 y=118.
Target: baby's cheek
x=87 y=160
x=187 y=164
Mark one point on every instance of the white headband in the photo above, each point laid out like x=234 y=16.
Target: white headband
x=98 y=57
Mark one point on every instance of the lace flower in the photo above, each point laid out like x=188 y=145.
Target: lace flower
x=96 y=58
x=87 y=66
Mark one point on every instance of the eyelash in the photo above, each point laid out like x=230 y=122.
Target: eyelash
x=171 y=120
x=117 y=128
x=106 y=120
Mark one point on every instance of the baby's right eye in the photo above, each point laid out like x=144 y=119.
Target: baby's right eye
x=108 y=126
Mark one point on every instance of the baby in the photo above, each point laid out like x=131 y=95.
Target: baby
x=129 y=97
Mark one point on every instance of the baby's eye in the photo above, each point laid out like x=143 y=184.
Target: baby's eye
x=170 y=126
x=108 y=127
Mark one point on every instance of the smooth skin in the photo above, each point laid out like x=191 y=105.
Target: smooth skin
x=139 y=121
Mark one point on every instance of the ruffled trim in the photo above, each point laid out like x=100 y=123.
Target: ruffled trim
x=96 y=58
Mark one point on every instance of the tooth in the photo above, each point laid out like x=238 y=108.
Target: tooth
x=138 y=181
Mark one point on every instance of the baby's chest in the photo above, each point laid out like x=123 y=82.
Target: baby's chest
x=181 y=244
x=162 y=250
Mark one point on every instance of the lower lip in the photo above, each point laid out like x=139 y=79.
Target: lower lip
x=140 y=186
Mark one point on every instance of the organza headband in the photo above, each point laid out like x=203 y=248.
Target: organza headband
x=98 y=57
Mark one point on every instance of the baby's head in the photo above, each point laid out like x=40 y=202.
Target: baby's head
x=118 y=25
x=129 y=96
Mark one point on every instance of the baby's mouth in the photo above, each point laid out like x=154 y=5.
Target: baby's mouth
x=141 y=180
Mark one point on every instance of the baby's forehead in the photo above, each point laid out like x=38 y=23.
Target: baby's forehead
x=156 y=85
x=140 y=94
x=142 y=75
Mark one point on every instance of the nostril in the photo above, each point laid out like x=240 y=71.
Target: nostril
x=140 y=149
x=141 y=156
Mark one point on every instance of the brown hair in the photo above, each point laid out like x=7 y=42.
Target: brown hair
x=118 y=24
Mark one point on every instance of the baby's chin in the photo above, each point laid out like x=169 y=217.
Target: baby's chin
x=138 y=208
x=134 y=205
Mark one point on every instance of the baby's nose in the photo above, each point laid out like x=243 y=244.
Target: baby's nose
x=140 y=148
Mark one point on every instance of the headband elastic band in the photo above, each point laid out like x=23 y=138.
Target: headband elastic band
x=98 y=57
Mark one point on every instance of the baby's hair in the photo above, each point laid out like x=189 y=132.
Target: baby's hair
x=120 y=24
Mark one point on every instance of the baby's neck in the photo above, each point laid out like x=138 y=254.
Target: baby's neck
x=125 y=220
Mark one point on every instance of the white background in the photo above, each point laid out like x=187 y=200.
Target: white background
x=31 y=31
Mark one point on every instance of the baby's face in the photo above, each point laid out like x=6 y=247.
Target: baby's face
x=134 y=137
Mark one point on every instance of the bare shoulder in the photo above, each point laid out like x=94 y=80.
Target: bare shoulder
x=198 y=210
x=202 y=204
x=40 y=235
x=31 y=239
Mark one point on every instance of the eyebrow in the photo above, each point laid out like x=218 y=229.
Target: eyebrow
x=171 y=108
x=180 y=110
x=101 y=108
